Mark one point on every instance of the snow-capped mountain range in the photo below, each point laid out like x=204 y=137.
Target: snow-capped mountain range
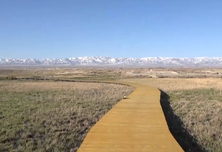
x=93 y=61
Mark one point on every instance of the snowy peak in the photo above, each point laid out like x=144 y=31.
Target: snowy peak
x=146 y=61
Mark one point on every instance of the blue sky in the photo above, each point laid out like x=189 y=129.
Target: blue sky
x=116 y=28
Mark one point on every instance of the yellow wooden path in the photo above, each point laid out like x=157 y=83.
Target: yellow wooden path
x=136 y=124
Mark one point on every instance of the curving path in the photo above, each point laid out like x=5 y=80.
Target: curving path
x=136 y=124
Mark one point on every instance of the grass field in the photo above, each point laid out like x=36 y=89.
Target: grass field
x=52 y=116
x=201 y=112
x=196 y=102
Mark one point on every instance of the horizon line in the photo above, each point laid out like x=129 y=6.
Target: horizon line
x=110 y=57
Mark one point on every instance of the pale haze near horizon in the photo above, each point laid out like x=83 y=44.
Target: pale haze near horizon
x=115 y=28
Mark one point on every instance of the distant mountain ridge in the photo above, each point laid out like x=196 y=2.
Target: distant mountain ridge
x=104 y=60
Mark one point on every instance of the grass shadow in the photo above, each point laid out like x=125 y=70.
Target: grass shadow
x=182 y=136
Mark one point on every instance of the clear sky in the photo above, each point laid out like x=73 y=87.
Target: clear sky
x=115 y=28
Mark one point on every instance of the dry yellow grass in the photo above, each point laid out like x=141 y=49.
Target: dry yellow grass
x=175 y=84
x=22 y=86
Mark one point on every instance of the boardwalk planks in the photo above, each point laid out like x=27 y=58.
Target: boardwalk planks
x=136 y=124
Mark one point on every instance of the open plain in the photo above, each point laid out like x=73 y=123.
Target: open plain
x=37 y=111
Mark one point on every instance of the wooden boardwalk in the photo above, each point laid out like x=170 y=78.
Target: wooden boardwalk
x=136 y=124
